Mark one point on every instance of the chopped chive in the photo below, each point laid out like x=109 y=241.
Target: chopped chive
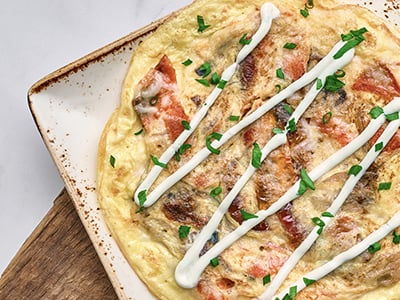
x=310 y=4
x=339 y=73
x=157 y=162
x=181 y=150
x=234 y=118
x=290 y=46
x=320 y=229
x=216 y=136
x=392 y=116
x=204 y=70
x=317 y=221
x=288 y=108
x=216 y=191
x=302 y=188
x=375 y=247
x=308 y=281
x=306 y=178
x=246 y=215
x=278 y=88
x=202 y=25
x=291 y=125
x=396 y=238
x=215 y=78
x=280 y=74
x=293 y=291
x=384 y=186
x=266 y=279
x=326 y=117
x=112 y=161
x=277 y=130
x=138 y=132
x=327 y=214
x=350 y=44
x=244 y=40
x=214 y=262
x=183 y=231
x=376 y=112
x=378 y=146
x=203 y=81
x=304 y=12
x=142 y=198
x=187 y=62
x=186 y=124
x=221 y=84
x=354 y=170
x=333 y=84
x=256 y=156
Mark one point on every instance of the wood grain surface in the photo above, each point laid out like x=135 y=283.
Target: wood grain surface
x=57 y=261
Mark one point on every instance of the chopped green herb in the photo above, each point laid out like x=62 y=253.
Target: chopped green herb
x=187 y=62
x=339 y=73
x=320 y=229
x=290 y=46
x=157 y=162
x=215 y=78
x=256 y=156
x=306 y=178
x=393 y=116
x=112 y=161
x=214 y=262
x=327 y=214
x=278 y=88
x=317 y=221
x=378 y=146
x=310 y=4
x=304 y=12
x=280 y=74
x=288 y=108
x=203 y=81
x=216 y=191
x=266 y=279
x=246 y=215
x=186 y=125
x=291 y=125
x=181 y=150
x=287 y=297
x=308 y=281
x=354 y=170
x=204 y=70
x=293 y=291
x=384 y=186
x=138 y=132
x=277 y=130
x=234 y=118
x=244 y=40
x=142 y=198
x=333 y=84
x=375 y=247
x=302 y=188
x=396 y=238
x=216 y=136
x=319 y=84
x=354 y=38
x=202 y=25
x=376 y=112
x=326 y=117
x=183 y=231
x=221 y=84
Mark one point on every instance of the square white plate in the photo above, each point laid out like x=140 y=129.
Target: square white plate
x=71 y=107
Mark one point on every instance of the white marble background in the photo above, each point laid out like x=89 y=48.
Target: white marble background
x=36 y=38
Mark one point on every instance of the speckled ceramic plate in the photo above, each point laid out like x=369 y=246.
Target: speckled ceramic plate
x=71 y=107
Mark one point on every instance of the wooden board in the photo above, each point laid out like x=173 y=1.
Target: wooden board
x=57 y=261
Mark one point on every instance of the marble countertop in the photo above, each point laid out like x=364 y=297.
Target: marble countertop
x=39 y=37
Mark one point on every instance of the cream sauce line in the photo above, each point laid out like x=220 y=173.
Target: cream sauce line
x=200 y=156
x=268 y=13
x=275 y=142
x=351 y=253
x=188 y=271
x=333 y=209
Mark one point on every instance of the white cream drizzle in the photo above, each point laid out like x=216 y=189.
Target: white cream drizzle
x=347 y=255
x=347 y=188
x=188 y=271
x=268 y=13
